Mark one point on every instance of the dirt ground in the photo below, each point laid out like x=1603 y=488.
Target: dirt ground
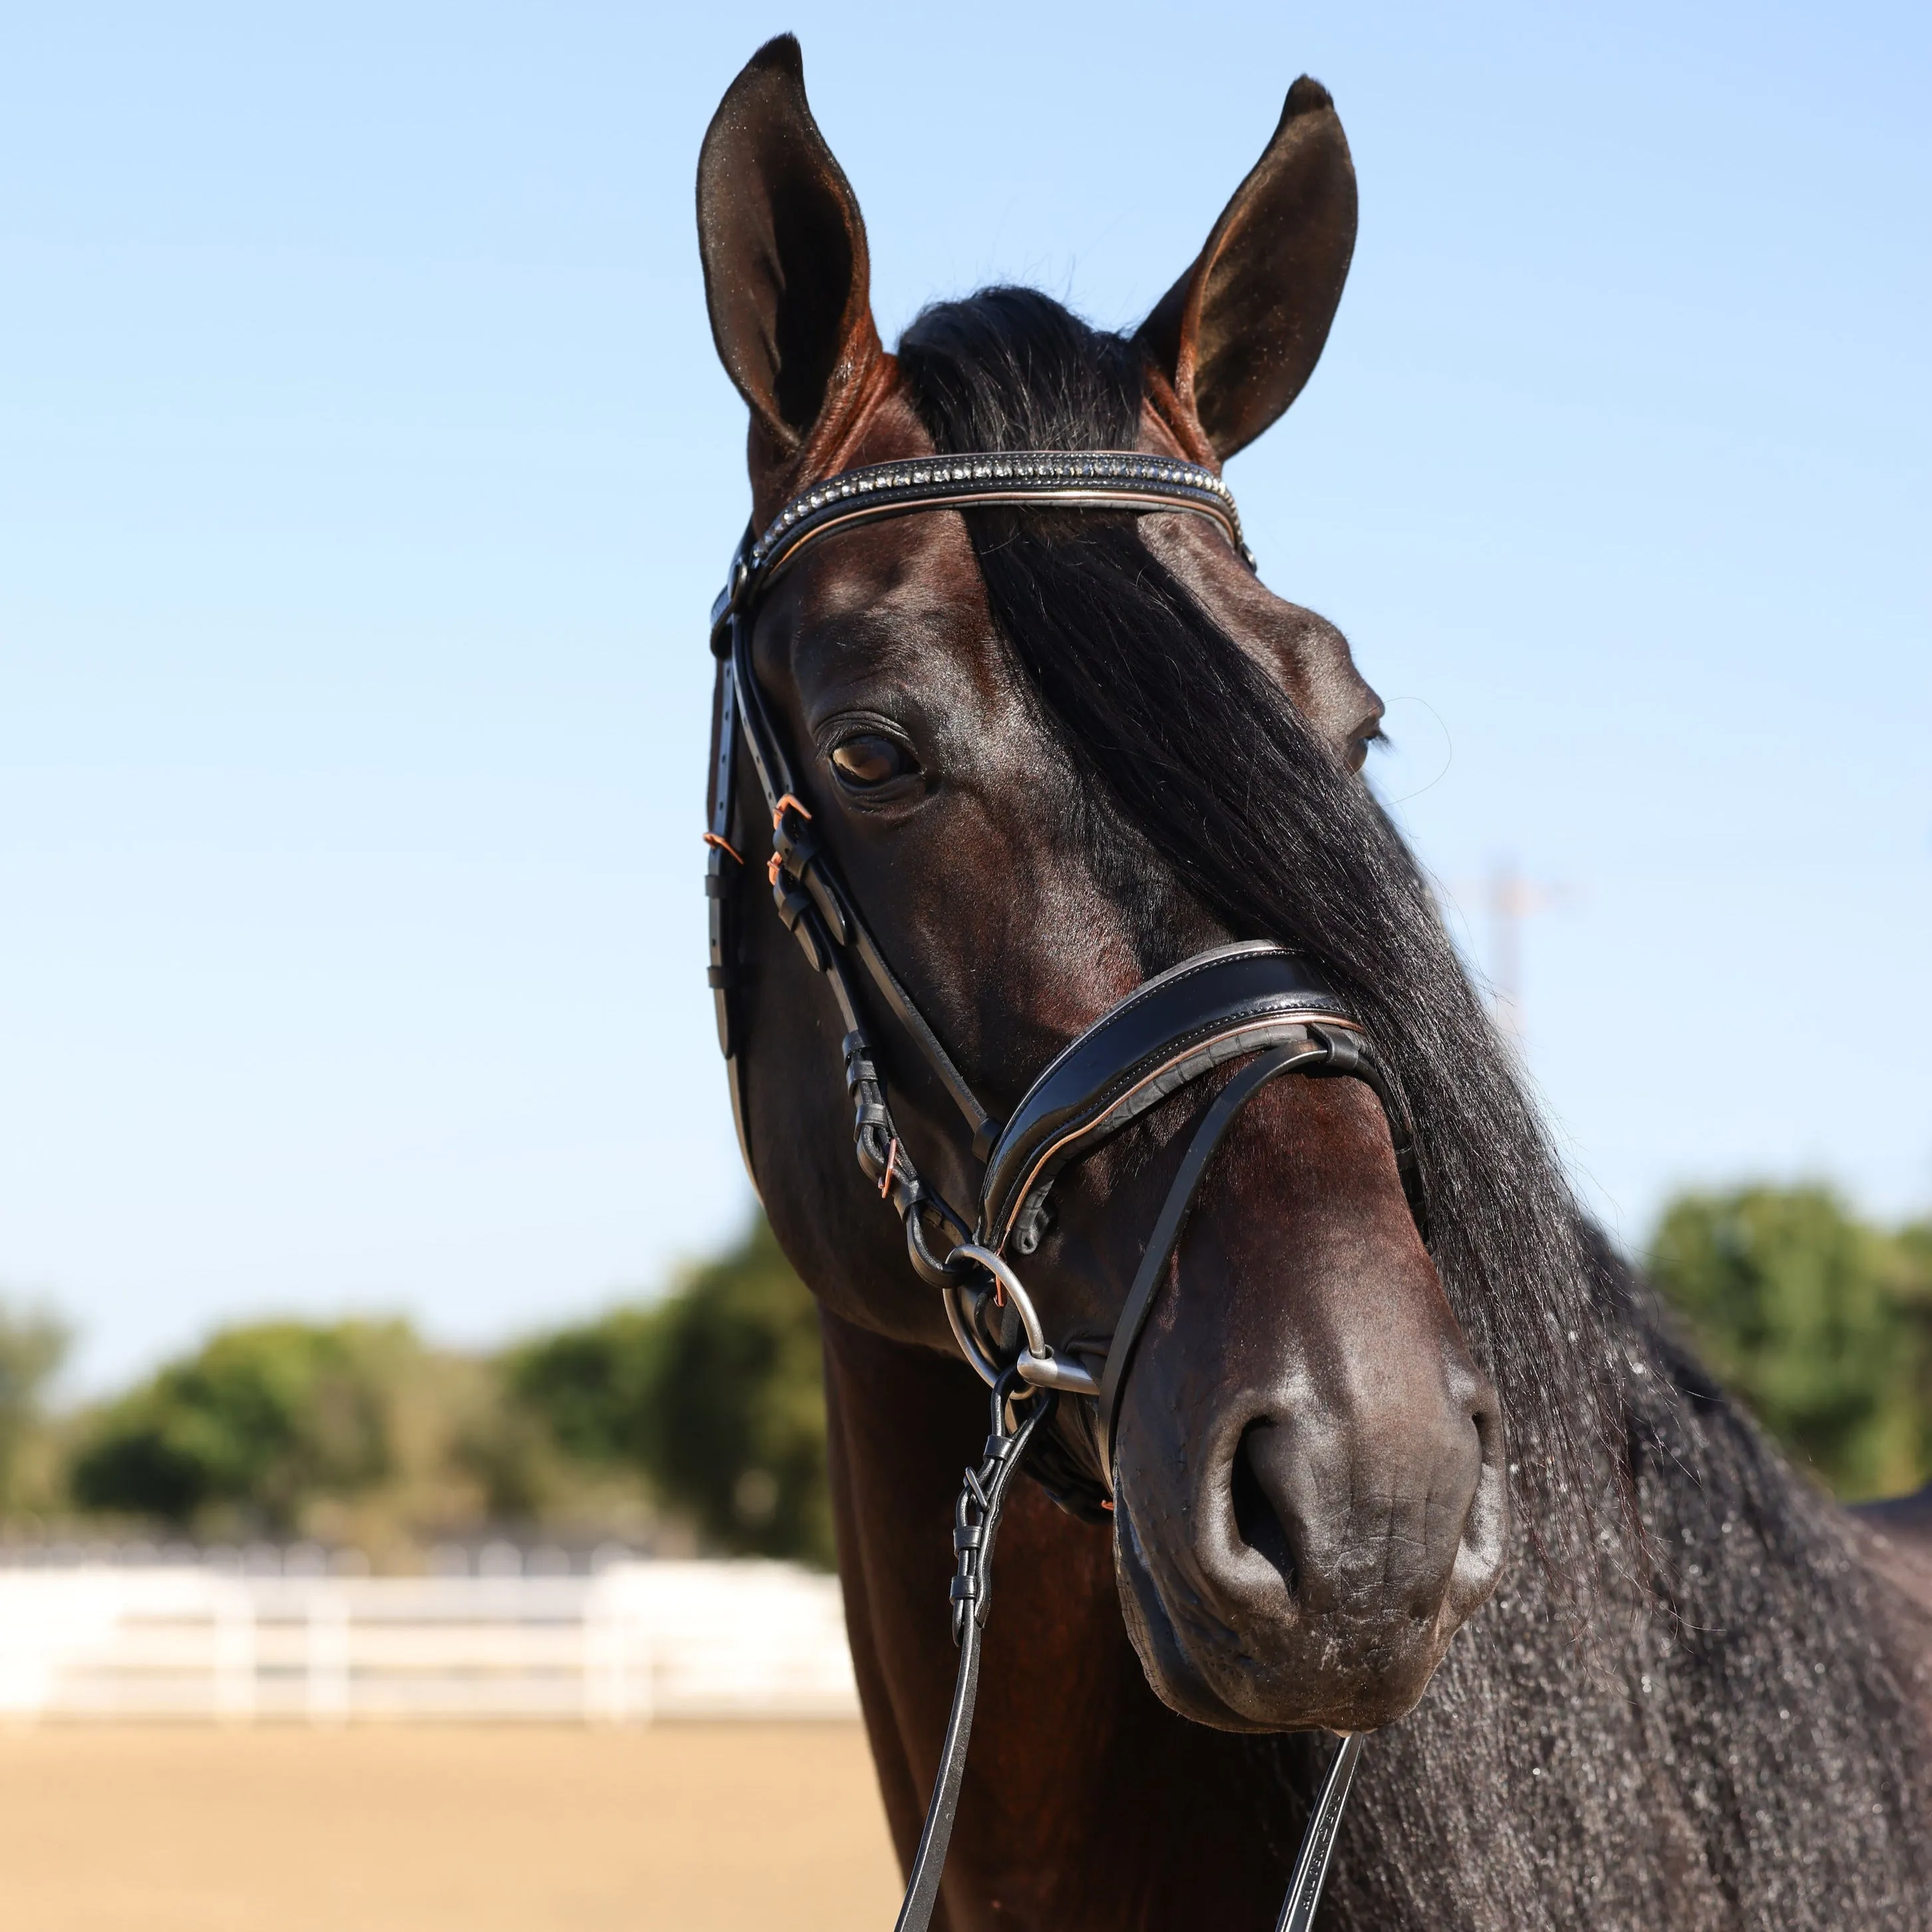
x=686 y=1827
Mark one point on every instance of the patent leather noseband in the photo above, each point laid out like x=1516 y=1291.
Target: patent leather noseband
x=1265 y=1009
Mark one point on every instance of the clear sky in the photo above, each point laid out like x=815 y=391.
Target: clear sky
x=365 y=474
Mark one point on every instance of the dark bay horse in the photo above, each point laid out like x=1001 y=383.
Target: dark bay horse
x=1626 y=1669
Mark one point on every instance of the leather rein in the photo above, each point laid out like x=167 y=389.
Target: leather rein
x=1266 y=1005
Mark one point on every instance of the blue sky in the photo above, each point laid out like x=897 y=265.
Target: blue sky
x=365 y=471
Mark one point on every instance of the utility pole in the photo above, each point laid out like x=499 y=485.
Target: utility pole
x=1509 y=898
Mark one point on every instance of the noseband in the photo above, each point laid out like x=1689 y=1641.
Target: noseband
x=1265 y=1006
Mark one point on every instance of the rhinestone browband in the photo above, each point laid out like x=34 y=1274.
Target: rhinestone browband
x=1096 y=479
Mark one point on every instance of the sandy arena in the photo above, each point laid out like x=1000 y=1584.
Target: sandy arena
x=686 y=1827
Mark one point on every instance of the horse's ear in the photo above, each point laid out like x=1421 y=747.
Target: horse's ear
x=1241 y=332
x=786 y=273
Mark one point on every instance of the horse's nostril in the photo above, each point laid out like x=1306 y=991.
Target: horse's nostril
x=1257 y=1520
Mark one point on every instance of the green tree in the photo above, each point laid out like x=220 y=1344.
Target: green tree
x=738 y=1428
x=259 y=1423
x=716 y=1394
x=1912 y=1280
x=596 y=1386
x=1818 y=1321
x=33 y=1344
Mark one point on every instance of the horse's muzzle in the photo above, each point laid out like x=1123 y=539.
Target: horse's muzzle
x=1305 y=1559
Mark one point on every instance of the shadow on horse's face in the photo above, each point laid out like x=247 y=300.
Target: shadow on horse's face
x=1309 y=1470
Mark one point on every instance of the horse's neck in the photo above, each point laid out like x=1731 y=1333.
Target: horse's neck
x=1087 y=1802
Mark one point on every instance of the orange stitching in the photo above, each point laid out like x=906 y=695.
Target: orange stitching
x=778 y=810
x=892 y=1156
x=723 y=844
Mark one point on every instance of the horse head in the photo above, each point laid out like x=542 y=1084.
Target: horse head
x=1053 y=753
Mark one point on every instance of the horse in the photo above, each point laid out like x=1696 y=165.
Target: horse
x=1622 y=1666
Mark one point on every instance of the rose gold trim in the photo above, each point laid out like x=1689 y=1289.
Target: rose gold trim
x=1019 y=1196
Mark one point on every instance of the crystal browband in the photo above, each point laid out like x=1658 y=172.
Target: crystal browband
x=1087 y=478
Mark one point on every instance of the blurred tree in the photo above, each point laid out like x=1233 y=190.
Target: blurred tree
x=32 y=1345
x=1914 y=1286
x=716 y=1393
x=737 y=1431
x=596 y=1386
x=1821 y=1323
x=260 y=1422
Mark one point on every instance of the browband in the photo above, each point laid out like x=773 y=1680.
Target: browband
x=1091 y=479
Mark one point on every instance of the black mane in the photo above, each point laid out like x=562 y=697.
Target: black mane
x=1206 y=757
x=1686 y=1692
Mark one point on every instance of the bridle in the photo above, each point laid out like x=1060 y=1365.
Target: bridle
x=1261 y=1004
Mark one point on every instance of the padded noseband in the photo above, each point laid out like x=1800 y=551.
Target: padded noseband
x=1177 y=1028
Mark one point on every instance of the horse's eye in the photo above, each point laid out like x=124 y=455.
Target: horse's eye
x=871 y=760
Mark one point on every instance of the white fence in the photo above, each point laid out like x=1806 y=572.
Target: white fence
x=637 y=1641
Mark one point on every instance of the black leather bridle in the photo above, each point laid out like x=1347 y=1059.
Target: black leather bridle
x=1264 y=1005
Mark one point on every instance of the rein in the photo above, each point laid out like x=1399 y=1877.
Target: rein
x=1257 y=1002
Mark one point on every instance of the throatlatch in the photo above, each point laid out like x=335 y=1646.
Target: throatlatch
x=1264 y=1005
